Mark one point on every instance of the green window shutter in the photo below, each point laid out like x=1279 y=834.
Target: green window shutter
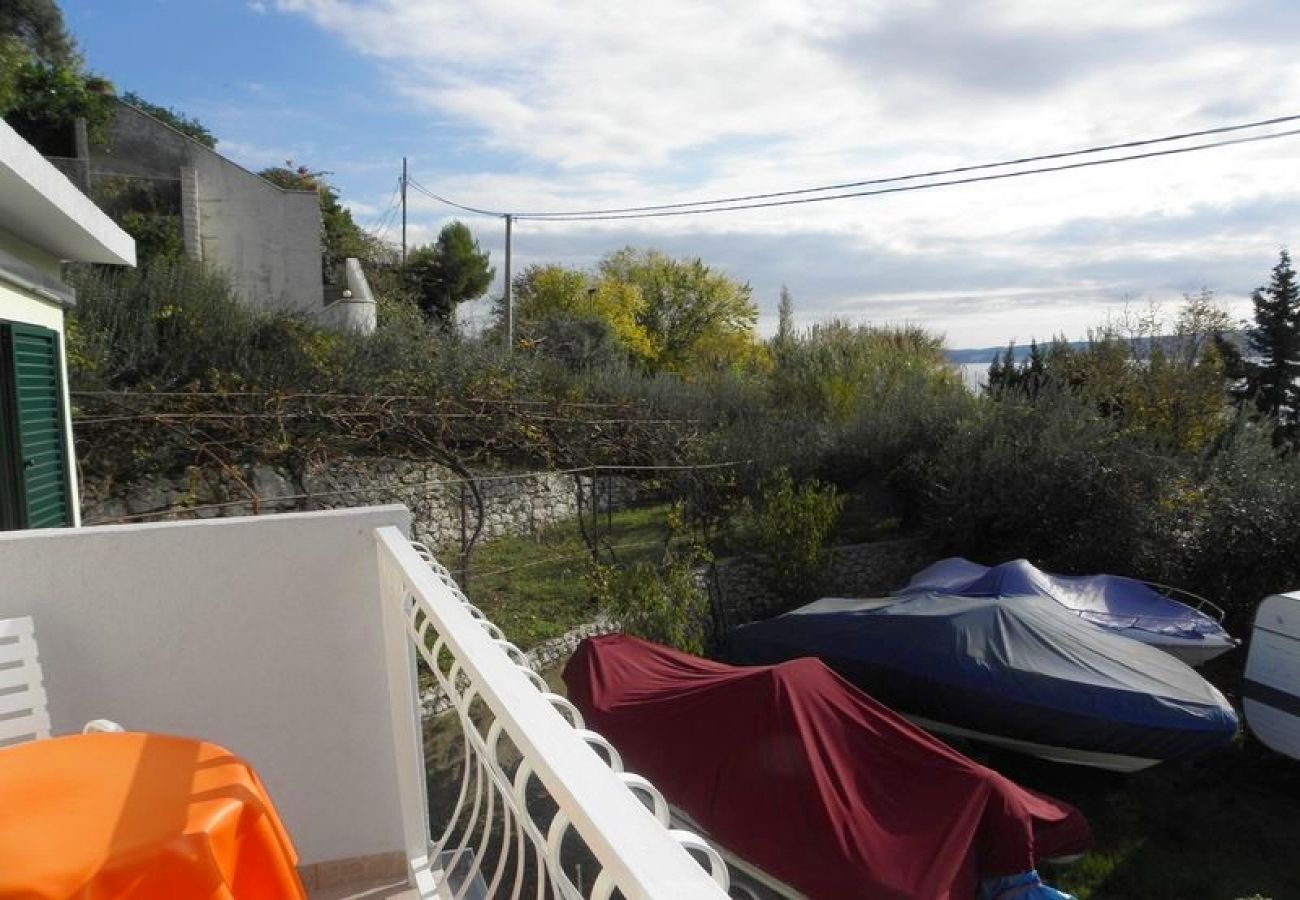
x=35 y=446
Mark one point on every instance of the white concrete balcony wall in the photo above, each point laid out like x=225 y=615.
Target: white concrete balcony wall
x=259 y=634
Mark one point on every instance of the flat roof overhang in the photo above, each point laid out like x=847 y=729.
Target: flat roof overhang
x=40 y=206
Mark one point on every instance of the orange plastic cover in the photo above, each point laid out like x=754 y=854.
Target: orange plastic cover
x=106 y=816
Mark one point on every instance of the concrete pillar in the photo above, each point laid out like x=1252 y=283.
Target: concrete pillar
x=81 y=141
x=190 y=213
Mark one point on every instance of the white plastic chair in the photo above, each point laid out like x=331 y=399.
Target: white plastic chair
x=23 y=713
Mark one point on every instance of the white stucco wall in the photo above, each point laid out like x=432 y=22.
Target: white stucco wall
x=266 y=239
x=259 y=634
x=19 y=264
x=20 y=305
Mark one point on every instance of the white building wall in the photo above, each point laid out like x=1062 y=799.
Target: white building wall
x=22 y=267
x=19 y=305
x=259 y=634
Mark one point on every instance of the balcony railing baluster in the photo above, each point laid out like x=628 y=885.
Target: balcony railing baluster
x=619 y=817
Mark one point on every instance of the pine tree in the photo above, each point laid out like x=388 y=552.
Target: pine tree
x=1035 y=370
x=1003 y=375
x=448 y=272
x=785 y=317
x=993 y=377
x=1275 y=339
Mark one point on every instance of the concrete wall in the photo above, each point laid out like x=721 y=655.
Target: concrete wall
x=266 y=239
x=262 y=635
x=28 y=278
x=142 y=147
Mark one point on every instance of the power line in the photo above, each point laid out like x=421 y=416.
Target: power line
x=1104 y=148
x=388 y=207
x=384 y=220
x=389 y=220
x=771 y=199
x=470 y=209
x=922 y=187
x=381 y=230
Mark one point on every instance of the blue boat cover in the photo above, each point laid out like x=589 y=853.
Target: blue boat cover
x=1111 y=601
x=1026 y=886
x=1025 y=668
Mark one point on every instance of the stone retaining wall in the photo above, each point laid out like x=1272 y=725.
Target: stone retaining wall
x=442 y=506
x=740 y=589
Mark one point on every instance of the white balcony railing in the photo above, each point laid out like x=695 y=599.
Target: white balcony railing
x=538 y=807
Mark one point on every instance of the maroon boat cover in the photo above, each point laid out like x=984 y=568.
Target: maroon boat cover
x=800 y=773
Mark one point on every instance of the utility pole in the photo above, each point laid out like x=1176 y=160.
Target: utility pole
x=510 y=300
x=403 y=213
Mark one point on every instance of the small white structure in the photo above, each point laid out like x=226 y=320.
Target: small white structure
x=355 y=309
x=1271 y=689
x=44 y=221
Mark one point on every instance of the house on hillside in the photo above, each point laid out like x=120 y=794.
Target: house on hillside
x=44 y=221
x=265 y=238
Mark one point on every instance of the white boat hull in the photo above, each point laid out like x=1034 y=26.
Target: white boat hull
x=1194 y=653
x=1113 y=762
x=1271 y=689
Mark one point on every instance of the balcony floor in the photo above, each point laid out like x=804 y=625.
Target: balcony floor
x=389 y=888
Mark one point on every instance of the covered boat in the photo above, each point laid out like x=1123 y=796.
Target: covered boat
x=1271 y=689
x=811 y=780
x=1021 y=672
x=1126 y=606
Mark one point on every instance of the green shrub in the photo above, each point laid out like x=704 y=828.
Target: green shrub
x=790 y=526
x=834 y=369
x=1076 y=491
x=169 y=323
x=1053 y=481
x=579 y=342
x=147 y=210
x=174 y=324
x=44 y=99
x=1230 y=528
x=666 y=604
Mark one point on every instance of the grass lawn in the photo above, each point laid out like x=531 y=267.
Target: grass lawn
x=1219 y=827
x=533 y=586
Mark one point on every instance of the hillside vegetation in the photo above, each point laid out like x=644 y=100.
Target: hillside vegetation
x=1155 y=462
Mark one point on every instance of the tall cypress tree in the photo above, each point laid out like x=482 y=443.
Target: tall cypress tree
x=1275 y=339
x=1035 y=371
x=1003 y=376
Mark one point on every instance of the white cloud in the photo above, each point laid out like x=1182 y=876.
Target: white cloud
x=580 y=103
x=254 y=156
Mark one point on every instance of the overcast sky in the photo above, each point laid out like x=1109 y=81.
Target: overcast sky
x=561 y=104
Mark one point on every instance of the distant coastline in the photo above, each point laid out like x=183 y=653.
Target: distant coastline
x=985 y=355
